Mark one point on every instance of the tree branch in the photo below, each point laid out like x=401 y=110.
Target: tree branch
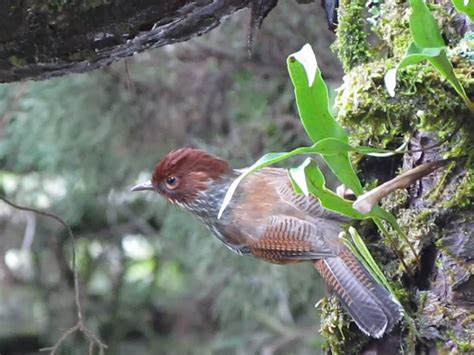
x=80 y=325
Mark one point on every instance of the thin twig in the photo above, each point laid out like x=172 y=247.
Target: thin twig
x=80 y=325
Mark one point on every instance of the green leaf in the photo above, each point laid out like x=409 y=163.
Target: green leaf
x=326 y=147
x=266 y=160
x=414 y=55
x=298 y=177
x=313 y=106
x=359 y=248
x=438 y=58
x=310 y=179
x=423 y=26
x=466 y=7
x=428 y=45
x=334 y=146
x=331 y=142
x=312 y=97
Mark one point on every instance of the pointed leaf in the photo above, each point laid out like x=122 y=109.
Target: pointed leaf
x=423 y=26
x=266 y=160
x=316 y=117
x=308 y=176
x=367 y=259
x=438 y=58
x=466 y=7
x=298 y=177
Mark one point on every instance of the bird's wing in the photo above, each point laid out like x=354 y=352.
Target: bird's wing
x=306 y=204
x=278 y=181
x=291 y=238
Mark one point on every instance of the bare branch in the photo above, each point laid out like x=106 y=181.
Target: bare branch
x=80 y=325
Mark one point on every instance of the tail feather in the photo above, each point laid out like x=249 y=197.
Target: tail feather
x=371 y=306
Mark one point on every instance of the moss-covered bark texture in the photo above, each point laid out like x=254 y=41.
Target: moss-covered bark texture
x=44 y=38
x=437 y=212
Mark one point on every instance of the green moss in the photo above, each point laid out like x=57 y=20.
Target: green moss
x=400 y=293
x=416 y=236
x=340 y=339
x=396 y=200
x=332 y=324
x=392 y=27
x=393 y=30
x=46 y=6
x=56 y=5
x=465 y=47
x=436 y=193
x=463 y=346
x=95 y=3
x=464 y=196
x=17 y=62
x=423 y=101
x=85 y=54
x=351 y=44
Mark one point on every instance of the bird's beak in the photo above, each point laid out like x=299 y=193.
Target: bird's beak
x=144 y=186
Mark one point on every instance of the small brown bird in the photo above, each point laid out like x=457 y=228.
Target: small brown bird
x=266 y=219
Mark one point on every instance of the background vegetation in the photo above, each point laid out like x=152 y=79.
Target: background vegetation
x=154 y=280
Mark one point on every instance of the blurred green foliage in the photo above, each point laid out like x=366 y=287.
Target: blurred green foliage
x=154 y=280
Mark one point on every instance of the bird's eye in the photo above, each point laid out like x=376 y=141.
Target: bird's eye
x=171 y=181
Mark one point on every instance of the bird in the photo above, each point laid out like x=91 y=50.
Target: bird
x=266 y=219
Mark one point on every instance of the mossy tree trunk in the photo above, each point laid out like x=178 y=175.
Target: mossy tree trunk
x=42 y=39
x=437 y=212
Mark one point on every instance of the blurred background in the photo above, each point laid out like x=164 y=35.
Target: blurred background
x=153 y=279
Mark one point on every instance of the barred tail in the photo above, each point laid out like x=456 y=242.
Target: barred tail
x=371 y=306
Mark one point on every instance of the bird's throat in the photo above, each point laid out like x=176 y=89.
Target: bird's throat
x=207 y=203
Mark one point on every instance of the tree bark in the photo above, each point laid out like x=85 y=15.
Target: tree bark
x=444 y=278
x=43 y=39
x=437 y=212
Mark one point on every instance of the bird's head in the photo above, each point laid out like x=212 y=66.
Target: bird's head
x=183 y=174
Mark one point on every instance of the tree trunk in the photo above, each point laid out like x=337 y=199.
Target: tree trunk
x=43 y=39
x=437 y=212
